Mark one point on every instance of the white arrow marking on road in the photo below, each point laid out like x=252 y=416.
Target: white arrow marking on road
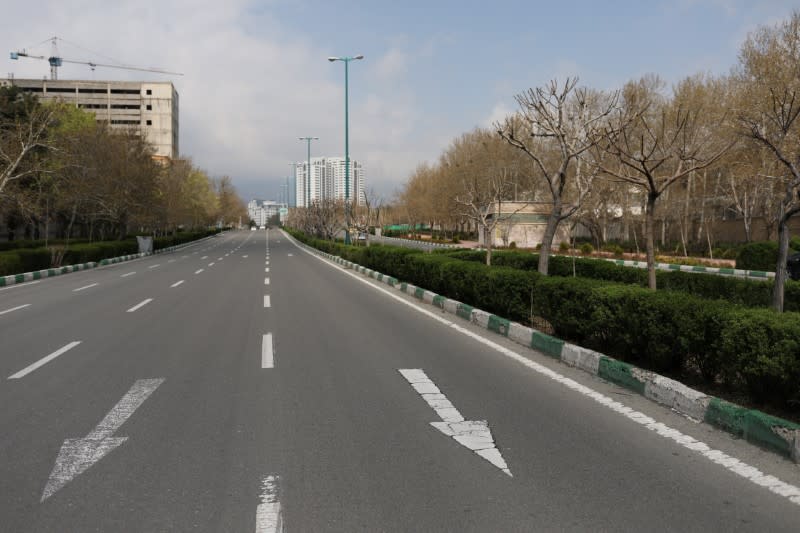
x=44 y=360
x=17 y=308
x=267 y=358
x=268 y=512
x=474 y=434
x=77 y=455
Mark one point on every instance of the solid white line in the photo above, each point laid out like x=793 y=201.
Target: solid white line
x=266 y=281
x=267 y=359
x=128 y=274
x=268 y=512
x=154 y=266
x=43 y=361
x=719 y=457
x=15 y=308
x=85 y=287
x=176 y=284
x=139 y=305
x=267 y=302
x=198 y=271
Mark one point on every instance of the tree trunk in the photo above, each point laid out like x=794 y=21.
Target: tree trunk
x=547 y=240
x=649 y=224
x=780 y=268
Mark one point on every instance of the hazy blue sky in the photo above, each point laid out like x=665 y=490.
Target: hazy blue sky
x=256 y=75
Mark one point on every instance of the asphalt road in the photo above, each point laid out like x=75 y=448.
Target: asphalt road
x=133 y=402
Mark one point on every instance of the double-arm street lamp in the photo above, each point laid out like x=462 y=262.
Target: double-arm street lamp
x=346 y=61
x=308 y=168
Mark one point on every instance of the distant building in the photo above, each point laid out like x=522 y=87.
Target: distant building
x=261 y=211
x=149 y=108
x=325 y=179
x=522 y=223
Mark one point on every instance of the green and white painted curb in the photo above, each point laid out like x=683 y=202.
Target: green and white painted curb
x=769 y=432
x=15 y=279
x=749 y=274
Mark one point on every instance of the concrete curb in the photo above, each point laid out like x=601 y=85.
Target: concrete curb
x=734 y=272
x=16 y=279
x=769 y=432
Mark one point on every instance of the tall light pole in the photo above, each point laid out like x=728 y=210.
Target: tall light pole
x=346 y=61
x=308 y=168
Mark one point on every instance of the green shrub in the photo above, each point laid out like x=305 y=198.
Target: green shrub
x=563 y=246
x=615 y=249
x=587 y=249
x=758 y=256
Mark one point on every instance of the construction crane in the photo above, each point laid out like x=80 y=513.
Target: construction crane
x=56 y=61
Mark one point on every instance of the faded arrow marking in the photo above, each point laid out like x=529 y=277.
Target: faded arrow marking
x=77 y=455
x=473 y=434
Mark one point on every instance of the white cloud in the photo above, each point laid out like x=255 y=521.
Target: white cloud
x=245 y=96
x=499 y=112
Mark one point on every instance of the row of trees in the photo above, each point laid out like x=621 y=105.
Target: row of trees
x=63 y=173
x=643 y=154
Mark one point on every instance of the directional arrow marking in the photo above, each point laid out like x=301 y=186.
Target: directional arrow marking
x=77 y=455
x=473 y=434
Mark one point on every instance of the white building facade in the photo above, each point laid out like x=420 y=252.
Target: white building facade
x=326 y=180
x=149 y=108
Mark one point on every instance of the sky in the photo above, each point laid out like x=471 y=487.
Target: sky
x=256 y=76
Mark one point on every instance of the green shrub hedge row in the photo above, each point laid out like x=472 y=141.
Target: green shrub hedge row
x=753 y=352
x=748 y=293
x=17 y=261
x=763 y=255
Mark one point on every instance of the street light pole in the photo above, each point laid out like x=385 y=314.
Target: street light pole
x=308 y=168
x=346 y=61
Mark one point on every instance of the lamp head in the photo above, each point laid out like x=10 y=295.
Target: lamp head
x=359 y=56
x=333 y=58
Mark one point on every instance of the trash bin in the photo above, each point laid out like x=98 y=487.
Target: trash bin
x=793 y=266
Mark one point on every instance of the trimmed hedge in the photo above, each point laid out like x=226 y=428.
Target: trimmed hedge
x=751 y=352
x=17 y=261
x=750 y=293
x=762 y=255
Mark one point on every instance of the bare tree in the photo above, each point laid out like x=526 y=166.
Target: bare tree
x=556 y=126
x=770 y=84
x=20 y=138
x=657 y=143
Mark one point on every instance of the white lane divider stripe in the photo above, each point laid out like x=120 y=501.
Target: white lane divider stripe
x=204 y=257
x=44 y=360
x=211 y=264
x=176 y=284
x=128 y=274
x=85 y=287
x=154 y=266
x=17 y=308
x=140 y=305
x=266 y=270
x=198 y=270
x=267 y=355
x=719 y=457
x=268 y=512
x=18 y=285
x=266 y=281
x=171 y=261
x=267 y=302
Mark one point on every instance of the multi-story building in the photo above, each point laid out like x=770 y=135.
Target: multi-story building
x=149 y=108
x=261 y=211
x=327 y=180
